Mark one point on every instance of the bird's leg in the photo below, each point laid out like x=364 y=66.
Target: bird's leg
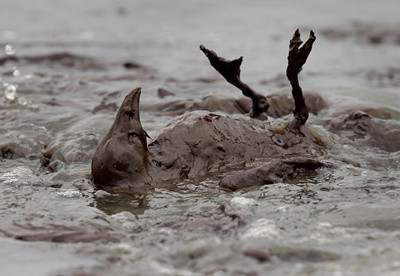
x=230 y=70
x=296 y=59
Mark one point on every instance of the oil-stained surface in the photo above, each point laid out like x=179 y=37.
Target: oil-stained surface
x=64 y=75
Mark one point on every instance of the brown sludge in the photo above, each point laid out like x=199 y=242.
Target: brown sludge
x=200 y=144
